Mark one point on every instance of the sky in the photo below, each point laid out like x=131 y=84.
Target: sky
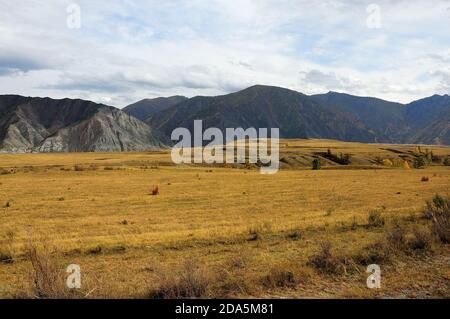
x=119 y=52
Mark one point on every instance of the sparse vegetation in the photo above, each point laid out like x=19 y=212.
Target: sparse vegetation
x=446 y=161
x=155 y=191
x=316 y=164
x=325 y=261
x=47 y=276
x=419 y=162
x=438 y=206
x=190 y=282
x=375 y=219
x=110 y=225
x=278 y=278
x=421 y=241
x=343 y=159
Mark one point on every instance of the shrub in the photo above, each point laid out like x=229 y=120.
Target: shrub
x=438 y=206
x=232 y=284
x=95 y=250
x=78 y=168
x=421 y=241
x=316 y=164
x=425 y=179
x=278 y=278
x=155 y=191
x=446 y=161
x=188 y=283
x=255 y=234
x=325 y=261
x=373 y=254
x=47 y=277
x=295 y=235
x=6 y=257
x=419 y=162
x=375 y=219
x=396 y=237
x=440 y=228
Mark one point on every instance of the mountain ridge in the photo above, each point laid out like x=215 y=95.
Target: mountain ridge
x=30 y=124
x=69 y=125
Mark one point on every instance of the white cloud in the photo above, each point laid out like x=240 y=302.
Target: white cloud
x=129 y=50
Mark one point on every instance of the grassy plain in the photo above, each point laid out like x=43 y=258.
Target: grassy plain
x=240 y=233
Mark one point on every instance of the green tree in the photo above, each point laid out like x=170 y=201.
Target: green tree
x=419 y=162
x=316 y=165
x=447 y=161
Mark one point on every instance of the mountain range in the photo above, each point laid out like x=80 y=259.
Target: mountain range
x=46 y=125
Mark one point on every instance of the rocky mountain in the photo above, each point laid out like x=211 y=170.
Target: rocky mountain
x=385 y=119
x=297 y=115
x=332 y=116
x=426 y=121
x=46 y=125
x=147 y=107
x=431 y=120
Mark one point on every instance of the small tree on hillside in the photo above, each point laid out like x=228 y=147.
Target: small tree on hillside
x=419 y=162
x=316 y=165
x=447 y=161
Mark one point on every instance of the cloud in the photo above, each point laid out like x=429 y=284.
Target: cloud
x=130 y=50
x=329 y=80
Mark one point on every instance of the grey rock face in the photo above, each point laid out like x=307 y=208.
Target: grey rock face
x=46 y=125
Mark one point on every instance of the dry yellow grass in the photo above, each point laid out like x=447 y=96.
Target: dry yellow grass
x=98 y=210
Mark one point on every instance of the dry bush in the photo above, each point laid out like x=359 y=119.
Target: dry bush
x=47 y=276
x=396 y=238
x=155 y=191
x=7 y=248
x=188 y=283
x=421 y=241
x=425 y=179
x=78 y=168
x=325 y=261
x=373 y=254
x=295 y=235
x=440 y=227
x=279 y=278
x=438 y=206
x=255 y=233
x=6 y=257
x=375 y=219
x=233 y=284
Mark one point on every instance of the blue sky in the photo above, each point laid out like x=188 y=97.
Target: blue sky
x=125 y=51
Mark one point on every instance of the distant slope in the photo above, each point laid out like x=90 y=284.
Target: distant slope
x=47 y=125
x=431 y=118
x=144 y=108
x=297 y=115
x=385 y=119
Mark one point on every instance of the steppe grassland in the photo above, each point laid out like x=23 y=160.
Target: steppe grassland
x=97 y=209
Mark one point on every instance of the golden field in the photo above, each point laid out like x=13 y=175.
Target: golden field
x=236 y=232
